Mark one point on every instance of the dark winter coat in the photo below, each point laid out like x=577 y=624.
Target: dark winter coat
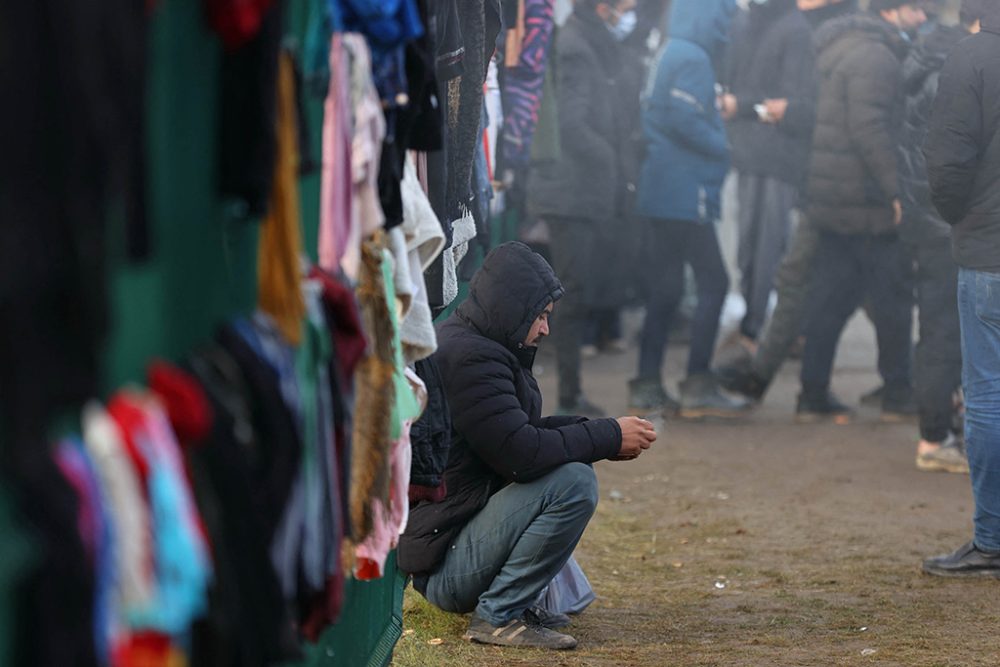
x=584 y=182
x=499 y=435
x=921 y=71
x=771 y=57
x=963 y=147
x=687 y=154
x=853 y=174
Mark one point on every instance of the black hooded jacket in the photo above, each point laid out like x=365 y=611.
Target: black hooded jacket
x=921 y=72
x=963 y=147
x=771 y=57
x=499 y=435
x=853 y=171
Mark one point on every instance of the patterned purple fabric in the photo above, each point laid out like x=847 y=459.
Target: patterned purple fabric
x=522 y=93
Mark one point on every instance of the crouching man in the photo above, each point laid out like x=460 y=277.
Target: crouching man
x=520 y=488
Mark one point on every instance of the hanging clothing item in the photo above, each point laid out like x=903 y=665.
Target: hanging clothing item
x=278 y=271
x=76 y=72
x=248 y=619
x=56 y=602
x=389 y=518
x=464 y=230
x=133 y=535
x=523 y=83
x=424 y=243
x=335 y=208
x=95 y=530
x=181 y=558
x=247 y=109
x=340 y=243
x=384 y=400
x=236 y=21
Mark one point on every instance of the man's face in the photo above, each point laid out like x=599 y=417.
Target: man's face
x=907 y=17
x=808 y=5
x=611 y=12
x=539 y=328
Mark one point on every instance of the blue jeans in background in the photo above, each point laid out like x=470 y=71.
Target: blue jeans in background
x=979 y=310
x=510 y=551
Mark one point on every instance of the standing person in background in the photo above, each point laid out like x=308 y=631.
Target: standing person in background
x=938 y=372
x=751 y=375
x=680 y=182
x=771 y=110
x=963 y=168
x=582 y=189
x=854 y=199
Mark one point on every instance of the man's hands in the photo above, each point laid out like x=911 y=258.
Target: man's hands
x=775 y=110
x=728 y=106
x=637 y=435
x=897 y=212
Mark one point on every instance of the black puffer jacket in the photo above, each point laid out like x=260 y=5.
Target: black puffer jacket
x=921 y=71
x=771 y=57
x=853 y=174
x=585 y=182
x=500 y=436
x=963 y=147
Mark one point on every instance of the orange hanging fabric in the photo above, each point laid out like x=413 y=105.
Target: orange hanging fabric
x=279 y=275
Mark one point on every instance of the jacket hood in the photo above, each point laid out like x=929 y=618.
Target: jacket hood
x=507 y=294
x=704 y=22
x=865 y=26
x=991 y=19
x=821 y=15
x=929 y=55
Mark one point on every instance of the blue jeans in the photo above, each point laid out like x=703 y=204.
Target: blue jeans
x=979 y=310
x=504 y=557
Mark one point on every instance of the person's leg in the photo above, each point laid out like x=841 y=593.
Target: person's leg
x=793 y=279
x=572 y=244
x=664 y=286
x=888 y=276
x=509 y=552
x=774 y=223
x=712 y=282
x=938 y=371
x=748 y=221
x=979 y=307
x=834 y=297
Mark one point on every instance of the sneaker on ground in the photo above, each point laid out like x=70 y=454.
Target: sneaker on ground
x=524 y=632
x=702 y=397
x=873 y=398
x=899 y=409
x=552 y=620
x=821 y=408
x=740 y=379
x=968 y=561
x=615 y=346
x=582 y=407
x=647 y=396
x=589 y=351
x=946 y=458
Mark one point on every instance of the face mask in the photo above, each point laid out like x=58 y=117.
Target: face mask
x=625 y=26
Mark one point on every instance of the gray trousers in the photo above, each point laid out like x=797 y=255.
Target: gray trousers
x=573 y=242
x=792 y=281
x=765 y=213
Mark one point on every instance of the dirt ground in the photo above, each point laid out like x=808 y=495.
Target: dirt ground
x=759 y=543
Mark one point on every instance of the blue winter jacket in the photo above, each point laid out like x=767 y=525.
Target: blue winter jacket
x=687 y=155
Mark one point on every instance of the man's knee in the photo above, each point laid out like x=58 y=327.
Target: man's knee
x=577 y=481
